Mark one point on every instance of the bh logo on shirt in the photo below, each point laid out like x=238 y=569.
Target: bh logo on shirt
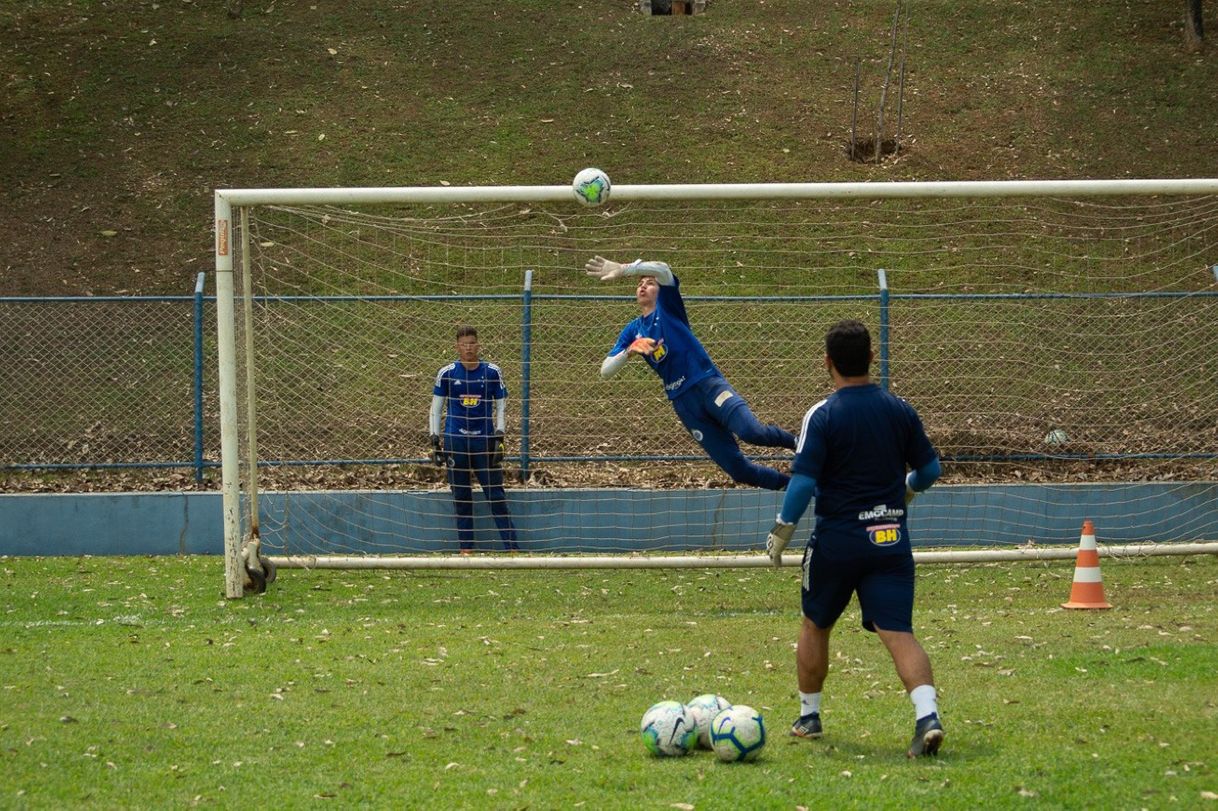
x=884 y=534
x=470 y=400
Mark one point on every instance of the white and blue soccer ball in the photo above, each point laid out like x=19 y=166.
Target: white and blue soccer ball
x=703 y=709
x=591 y=187
x=738 y=734
x=668 y=730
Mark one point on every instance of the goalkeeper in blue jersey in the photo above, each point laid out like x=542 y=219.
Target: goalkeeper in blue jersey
x=473 y=392
x=710 y=409
x=855 y=448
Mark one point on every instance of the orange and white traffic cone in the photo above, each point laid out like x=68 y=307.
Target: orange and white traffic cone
x=1088 y=588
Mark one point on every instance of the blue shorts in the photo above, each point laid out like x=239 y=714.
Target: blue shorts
x=884 y=584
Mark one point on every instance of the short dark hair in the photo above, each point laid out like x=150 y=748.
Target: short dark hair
x=466 y=330
x=848 y=344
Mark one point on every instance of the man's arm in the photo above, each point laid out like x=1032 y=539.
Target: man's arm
x=433 y=419
x=433 y=428
x=922 y=478
x=607 y=270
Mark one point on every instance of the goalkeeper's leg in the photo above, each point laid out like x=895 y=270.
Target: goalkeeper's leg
x=463 y=498
x=699 y=416
x=738 y=418
x=491 y=479
x=721 y=446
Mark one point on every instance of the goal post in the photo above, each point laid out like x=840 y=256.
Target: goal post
x=336 y=307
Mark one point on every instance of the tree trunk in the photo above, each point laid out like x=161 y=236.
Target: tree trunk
x=1194 y=29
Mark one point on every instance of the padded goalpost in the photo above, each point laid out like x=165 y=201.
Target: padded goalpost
x=1057 y=337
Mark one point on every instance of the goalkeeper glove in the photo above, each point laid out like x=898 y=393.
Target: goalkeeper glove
x=777 y=540
x=909 y=491
x=496 y=451
x=438 y=456
x=641 y=346
x=603 y=269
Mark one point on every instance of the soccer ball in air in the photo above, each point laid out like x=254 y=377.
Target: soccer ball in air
x=738 y=734
x=591 y=187
x=668 y=730
x=703 y=709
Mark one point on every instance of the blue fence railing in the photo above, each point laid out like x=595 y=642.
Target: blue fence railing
x=120 y=335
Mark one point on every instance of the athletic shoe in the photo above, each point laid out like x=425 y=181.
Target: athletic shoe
x=928 y=735
x=808 y=726
x=467 y=550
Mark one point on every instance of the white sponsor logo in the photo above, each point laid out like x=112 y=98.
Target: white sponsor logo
x=723 y=397
x=881 y=511
x=676 y=384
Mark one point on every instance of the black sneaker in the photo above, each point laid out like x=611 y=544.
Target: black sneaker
x=808 y=726
x=928 y=735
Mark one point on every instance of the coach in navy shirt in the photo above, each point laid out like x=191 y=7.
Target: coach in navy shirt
x=709 y=408
x=855 y=447
x=475 y=397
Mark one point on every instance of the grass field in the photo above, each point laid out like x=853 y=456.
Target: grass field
x=132 y=683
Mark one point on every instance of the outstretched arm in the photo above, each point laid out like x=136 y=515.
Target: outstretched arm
x=607 y=270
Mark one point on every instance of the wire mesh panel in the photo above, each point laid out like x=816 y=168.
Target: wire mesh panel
x=96 y=381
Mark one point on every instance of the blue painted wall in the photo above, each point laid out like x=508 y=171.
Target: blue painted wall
x=589 y=520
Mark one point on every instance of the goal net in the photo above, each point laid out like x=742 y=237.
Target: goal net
x=1056 y=338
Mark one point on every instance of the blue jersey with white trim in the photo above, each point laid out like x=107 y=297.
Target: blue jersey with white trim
x=470 y=396
x=679 y=358
x=857 y=443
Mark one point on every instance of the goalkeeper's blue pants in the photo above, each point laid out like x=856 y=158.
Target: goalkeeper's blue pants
x=469 y=457
x=715 y=415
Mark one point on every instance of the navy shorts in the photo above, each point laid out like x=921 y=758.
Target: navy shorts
x=884 y=584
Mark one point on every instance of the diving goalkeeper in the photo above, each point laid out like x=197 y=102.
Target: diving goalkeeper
x=709 y=408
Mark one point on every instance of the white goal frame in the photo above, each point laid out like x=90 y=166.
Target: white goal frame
x=229 y=200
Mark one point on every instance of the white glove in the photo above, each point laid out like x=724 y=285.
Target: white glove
x=777 y=540
x=909 y=491
x=603 y=269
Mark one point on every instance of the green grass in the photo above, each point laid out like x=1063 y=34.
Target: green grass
x=133 y=683
x=131 y=119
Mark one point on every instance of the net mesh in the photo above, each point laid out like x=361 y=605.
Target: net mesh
x=1042 y=340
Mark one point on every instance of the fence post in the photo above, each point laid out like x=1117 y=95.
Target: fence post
x=526 y=361
x=198 y=383
x=883 y=279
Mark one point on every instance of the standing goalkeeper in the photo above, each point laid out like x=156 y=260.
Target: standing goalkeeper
x=709 y=408
x=476 y=398
x=854 y=449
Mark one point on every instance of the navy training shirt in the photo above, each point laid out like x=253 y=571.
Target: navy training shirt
x=857 y=443
x=679 y=357
x=470 y=396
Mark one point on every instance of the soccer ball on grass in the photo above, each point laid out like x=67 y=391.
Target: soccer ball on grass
x=591 y=187
x=668 y=730
x=738 y=734
x=703 y=709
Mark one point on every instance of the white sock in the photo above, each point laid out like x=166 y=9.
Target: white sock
x=809 y=703
x=924 y=700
